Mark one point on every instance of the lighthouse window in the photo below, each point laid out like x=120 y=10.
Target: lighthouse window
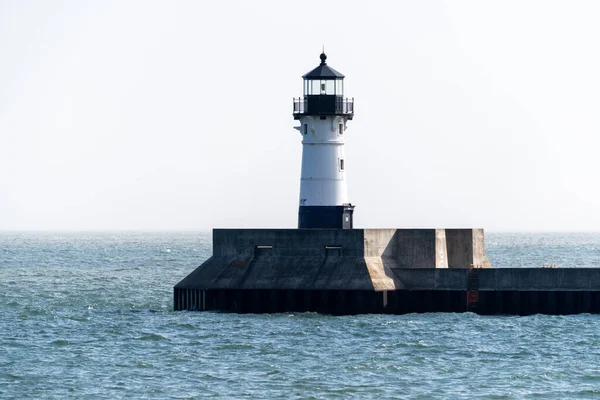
x=341 y=164
x=341 y=127
x=305 y=129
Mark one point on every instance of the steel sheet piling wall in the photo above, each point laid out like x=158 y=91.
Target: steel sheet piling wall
x=347 y=302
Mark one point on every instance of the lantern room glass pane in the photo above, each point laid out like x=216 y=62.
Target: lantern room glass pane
x=315 y=87
x=329 y=87
x=321 y=87
x=339 y=87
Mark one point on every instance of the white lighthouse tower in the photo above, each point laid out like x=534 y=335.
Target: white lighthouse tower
x=323 y=113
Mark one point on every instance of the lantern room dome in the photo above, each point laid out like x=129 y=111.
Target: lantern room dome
x=323 y=71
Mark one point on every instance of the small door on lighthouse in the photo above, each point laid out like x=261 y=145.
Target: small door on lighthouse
x=347 y=223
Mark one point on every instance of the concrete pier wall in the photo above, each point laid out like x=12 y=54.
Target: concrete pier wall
x=375 y=271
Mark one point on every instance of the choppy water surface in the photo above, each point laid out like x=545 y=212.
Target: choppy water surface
x=89 y=315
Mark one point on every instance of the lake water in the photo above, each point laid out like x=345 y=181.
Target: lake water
x=90 y=315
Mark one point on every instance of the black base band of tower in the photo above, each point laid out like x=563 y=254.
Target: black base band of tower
x=326 y=217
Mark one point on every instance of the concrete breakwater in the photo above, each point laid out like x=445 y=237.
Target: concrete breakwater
x=391 y=271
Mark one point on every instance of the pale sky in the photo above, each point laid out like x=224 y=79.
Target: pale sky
x=177 y=115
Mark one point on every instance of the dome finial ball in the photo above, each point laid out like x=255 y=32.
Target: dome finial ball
x=323 y=58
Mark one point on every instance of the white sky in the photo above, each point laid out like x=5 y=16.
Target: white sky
x=178 y=114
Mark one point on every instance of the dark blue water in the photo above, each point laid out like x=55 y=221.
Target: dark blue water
x=89 y=315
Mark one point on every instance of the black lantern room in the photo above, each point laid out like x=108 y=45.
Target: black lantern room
x=323 y=93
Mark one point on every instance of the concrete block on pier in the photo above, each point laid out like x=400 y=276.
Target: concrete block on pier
x=330 y=259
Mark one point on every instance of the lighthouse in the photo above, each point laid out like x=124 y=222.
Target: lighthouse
x=328 y=266
x=323 y=113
